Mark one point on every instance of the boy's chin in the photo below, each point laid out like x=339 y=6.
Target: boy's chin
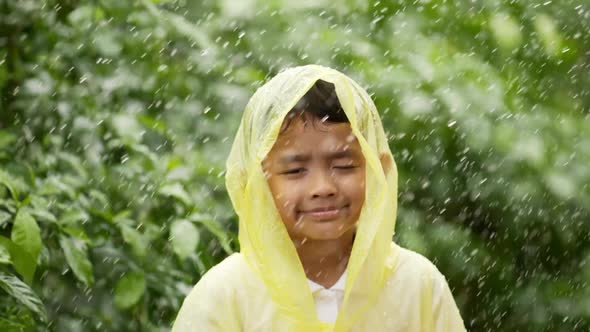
x=326 y=232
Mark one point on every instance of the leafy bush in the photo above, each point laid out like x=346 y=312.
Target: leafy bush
x=116 y=118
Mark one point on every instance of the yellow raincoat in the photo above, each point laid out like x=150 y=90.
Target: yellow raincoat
x=264 y=287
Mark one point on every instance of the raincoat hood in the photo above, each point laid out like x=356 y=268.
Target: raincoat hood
x=264 y=240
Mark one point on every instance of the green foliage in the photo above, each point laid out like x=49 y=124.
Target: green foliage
x=184 y=237
x=22 y=293
x=26 y=236
x=129 y=290
x=75 y=253
x=116 y=118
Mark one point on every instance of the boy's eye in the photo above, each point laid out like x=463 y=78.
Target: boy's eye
x=345 y=166
x=294 y=171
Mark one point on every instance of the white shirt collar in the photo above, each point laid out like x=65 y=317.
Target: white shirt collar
x=340 y=285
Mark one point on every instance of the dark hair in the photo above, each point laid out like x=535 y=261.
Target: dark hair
x=321 y=103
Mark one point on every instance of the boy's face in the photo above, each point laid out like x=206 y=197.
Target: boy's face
x=316 y=173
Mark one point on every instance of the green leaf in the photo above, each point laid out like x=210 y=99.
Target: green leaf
x=23 y=262
x=4 y=217
x=8 y=204
x=548 y=31
x=5 y=246
x=146 y=152
x=129 y=290
x=6 y=181
x=22 y=293
x=77 y=232
x=42 y=215
x=6 y=139
x=56 y=185
x=215 y=228
x=135 y=239
x=81 y=16
x=506 y=30
x=74 y=162
x=107 y=44
x=181 y=26
x=99 y=199
x=159 y=2
x=26 y=234
x=185 y=238
x=177 y=191
x=127 y=127
x=158 y=126
x=77 y=258
x=73 y=217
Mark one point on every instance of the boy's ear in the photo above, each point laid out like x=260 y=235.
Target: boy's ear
x=385 y=159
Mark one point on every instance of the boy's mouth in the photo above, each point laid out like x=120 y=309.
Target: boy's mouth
x=323 y=213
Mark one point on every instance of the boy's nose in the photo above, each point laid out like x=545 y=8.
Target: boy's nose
x=323 y=185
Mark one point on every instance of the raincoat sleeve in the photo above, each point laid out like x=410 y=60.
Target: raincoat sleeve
x=446 y=314
x=208 y=307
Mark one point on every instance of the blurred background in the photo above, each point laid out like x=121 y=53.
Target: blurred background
x=116 y=118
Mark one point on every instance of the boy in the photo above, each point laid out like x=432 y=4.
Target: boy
x=313 y=181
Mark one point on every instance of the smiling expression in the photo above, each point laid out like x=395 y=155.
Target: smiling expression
x=316 y=173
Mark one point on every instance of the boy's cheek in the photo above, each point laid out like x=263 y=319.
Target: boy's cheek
x=285 y=202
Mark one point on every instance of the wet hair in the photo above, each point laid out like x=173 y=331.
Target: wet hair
x=320 y=103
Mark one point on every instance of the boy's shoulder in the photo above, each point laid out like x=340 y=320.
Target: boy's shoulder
x=232 y=267
x=231 y=276
x=230 y=284
x=409 y=263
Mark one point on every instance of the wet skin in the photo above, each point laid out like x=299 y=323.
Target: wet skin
x=316 y=173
